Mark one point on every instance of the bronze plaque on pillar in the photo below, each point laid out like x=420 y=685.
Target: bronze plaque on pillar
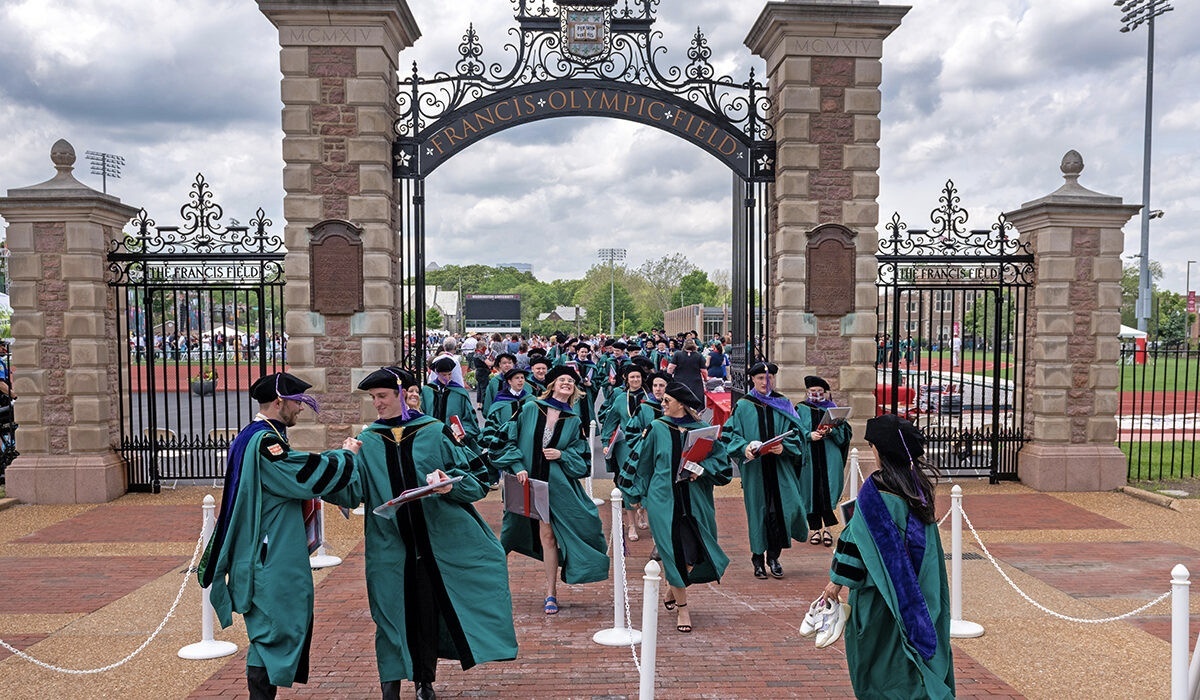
x=336 y=268
x=830 y=271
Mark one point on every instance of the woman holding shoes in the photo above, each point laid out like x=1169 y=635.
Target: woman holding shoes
x=890 y=557
x=681 y=512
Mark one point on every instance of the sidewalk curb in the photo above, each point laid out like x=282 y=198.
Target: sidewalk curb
x=8 y=503
x=1150 y=497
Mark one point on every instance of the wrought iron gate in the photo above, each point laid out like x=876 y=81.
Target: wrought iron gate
x=199 y=318
x=951 y=346
x=590 y=58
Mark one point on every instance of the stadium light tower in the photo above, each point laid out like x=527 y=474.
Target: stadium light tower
x=611 y=256
x=105 y=165
x=1138 y=12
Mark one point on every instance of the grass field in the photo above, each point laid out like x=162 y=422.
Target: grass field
x=1162 y=374
x=1154 y=461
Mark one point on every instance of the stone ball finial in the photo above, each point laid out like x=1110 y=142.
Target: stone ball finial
x=1072 y=165
x=62 y=154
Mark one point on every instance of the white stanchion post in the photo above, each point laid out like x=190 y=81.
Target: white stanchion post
x=649 y=630
x=618 y=635
x=321 y=560
x=207 y=647
x=592 y=466
x=959 y=628
x=1180 y=619
x=854 y=471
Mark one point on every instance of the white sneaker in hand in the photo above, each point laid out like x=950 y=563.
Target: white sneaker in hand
x=812 y=619
x=835 y=624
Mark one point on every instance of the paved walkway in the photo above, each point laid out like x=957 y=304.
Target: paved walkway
x=83 y=586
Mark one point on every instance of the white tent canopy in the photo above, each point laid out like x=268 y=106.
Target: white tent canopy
x=1127 y=332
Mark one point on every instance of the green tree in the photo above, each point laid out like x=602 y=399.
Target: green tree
x=433 y=318
x=597 y=306
x=6 y=324
x=1129 y=289
x=980 y=320
x=695 y=288
x=662 y=277
x=1169 y=323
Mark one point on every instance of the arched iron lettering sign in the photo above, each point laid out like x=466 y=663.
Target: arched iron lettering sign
x=591 y=58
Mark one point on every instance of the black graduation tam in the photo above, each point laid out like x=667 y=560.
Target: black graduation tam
x=388 y=378
x=538 y=360
x=514 y=372
x=608 y=343
x=895 y=438
x=761 y=367
x=620 y=344
x=642 y=361
x=559 y=371
x=649 y=379
x=506 y=355
x=635 y=367
x=280 y=384
x=583 y=344
x=681 y=393
x=536 y=352
x=443 y=364
x=812 y=380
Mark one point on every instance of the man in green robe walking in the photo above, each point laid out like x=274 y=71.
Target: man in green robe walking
x=257 y=560
x=437 y=579
x=773 y=494
x=444 y=399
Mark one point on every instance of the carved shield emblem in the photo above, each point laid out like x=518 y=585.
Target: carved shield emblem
x=585 y=33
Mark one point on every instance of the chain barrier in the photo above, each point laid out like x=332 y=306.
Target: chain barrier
x=629 y=623
x=1043 y=608
x=191 y=569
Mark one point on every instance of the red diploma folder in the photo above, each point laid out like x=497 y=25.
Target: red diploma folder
x=456 y=427
x=388 y=510
x=530 y=499
x=618 y=434
x=778 y=439
x=697 y=447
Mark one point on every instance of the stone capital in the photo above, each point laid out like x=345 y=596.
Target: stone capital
x=855 y=30
x=360 y=23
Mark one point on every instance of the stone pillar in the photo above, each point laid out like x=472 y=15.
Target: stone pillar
x=339 y=63
x=1072 y=375
x=64 y=326
x=824 y=68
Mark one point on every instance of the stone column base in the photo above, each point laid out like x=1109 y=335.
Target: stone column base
x=1073 y=467
x=44 y=479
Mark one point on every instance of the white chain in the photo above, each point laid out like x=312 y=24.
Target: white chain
x=628 y=622
x=947 y=515
x=170 y=613
x=1043 y=608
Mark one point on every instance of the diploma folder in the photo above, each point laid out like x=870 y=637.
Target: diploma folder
x=531 y=499
x=778 y=439
x=833 y=415
x=697 y=446
x=388 y=510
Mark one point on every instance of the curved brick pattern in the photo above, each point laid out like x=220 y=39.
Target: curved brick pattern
x=122 y=524
x=46 y=585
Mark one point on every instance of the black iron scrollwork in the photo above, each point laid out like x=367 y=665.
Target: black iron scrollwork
x=625 y=51
x=150 y=252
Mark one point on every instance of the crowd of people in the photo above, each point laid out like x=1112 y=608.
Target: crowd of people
x=525 y=421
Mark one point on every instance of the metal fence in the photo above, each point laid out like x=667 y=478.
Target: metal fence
x=1157 y=414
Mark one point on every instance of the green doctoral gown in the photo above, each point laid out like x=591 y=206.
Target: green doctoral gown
x=500 y=425
x=257 y=562
x=573 y=516
x=471 y=579
x=773 y=494
x=824 y=466
x=620 y=409
x=682 y=516
x=589 y=384
x=495 y=384
x=883 y=663
x=442 y=401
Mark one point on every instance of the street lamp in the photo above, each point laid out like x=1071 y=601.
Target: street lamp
x=1136 y=13
x=611 y=256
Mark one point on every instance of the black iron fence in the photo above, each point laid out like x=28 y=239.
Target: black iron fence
x=1158 y=410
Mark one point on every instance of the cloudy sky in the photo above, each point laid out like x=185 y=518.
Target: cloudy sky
x=989 y=93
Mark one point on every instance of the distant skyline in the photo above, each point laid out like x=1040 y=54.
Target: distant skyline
x=988 y=93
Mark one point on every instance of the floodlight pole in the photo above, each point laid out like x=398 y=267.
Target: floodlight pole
x=612 y=255
x=1136 y=13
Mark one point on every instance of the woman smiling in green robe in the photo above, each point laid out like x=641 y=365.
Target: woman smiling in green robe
x=546 y=444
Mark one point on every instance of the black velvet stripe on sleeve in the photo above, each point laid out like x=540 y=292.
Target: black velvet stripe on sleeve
x=848 y=548
x=272 y=449
x=347 y=466
x=331 y=470
x=309 y=468
x=852 y=573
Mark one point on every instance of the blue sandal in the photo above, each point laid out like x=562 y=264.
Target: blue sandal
x=551 y=607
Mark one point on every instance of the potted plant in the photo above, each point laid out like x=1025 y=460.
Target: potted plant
x=205 y=382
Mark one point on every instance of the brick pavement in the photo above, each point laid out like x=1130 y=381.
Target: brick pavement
x=745 y=643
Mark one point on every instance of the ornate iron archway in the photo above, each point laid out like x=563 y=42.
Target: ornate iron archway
x=592 y=58
x=952 y=337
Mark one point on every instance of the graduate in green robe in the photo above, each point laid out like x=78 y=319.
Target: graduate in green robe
x=539 y=366
x=257 y=560
x=501 y=419
x=610 y=369
x=589 y=383
x=443 y=397
x=503 y=362
x=547 y=445
x=890 y=557
x=617 y=411
x=437 y=579
x=682 y=516
x=648 y=411
x=825 y=455
x=773 y=494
